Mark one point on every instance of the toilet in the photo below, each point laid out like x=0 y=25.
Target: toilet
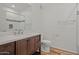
x=45 y=45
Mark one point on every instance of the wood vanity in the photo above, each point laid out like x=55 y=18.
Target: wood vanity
x=25 y=46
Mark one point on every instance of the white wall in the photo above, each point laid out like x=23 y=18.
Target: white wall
x=77 y=28
x=57 y=27
x=36 y=18
x=33 y=19
x=2 y=20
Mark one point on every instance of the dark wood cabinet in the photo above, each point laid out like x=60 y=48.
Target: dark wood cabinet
x=7 y=49
x=37 y=43
x=21 y=47
x=26 y=46
x=30 y=46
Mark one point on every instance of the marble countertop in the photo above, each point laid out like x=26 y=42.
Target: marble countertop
x=12 y=38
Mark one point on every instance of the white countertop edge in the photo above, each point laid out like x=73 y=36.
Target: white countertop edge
x=17 y=38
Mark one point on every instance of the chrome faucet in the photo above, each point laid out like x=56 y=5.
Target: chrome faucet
x=18 y=31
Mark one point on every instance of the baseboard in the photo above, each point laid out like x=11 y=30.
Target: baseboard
x=60 y=51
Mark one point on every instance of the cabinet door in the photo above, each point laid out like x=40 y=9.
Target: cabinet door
x=30 y=45
x=36 y=45
x=33 y=44
x=7 y=49
x=21 y=47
